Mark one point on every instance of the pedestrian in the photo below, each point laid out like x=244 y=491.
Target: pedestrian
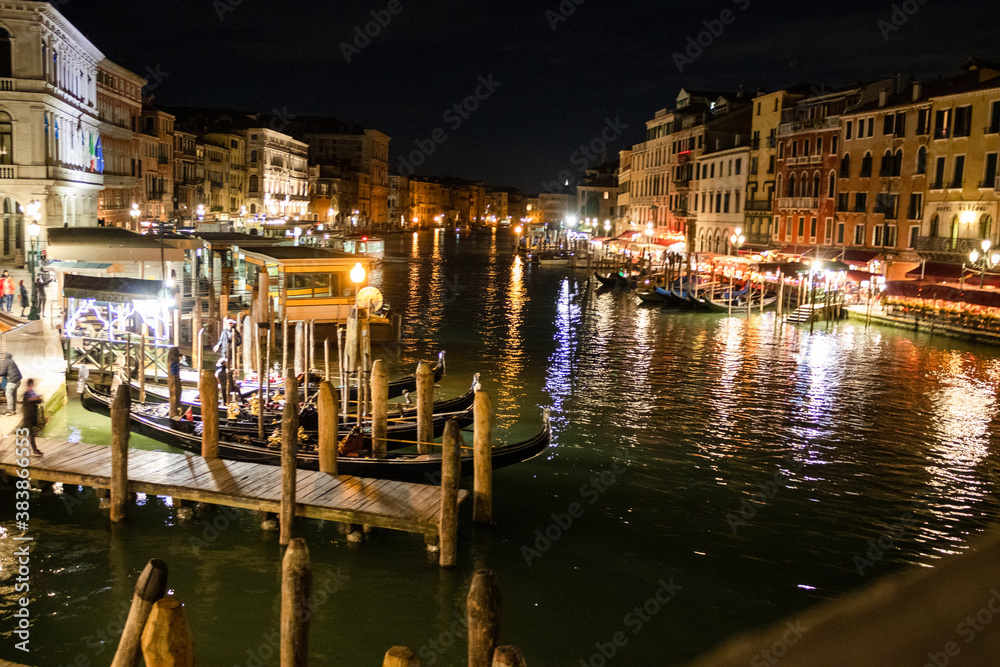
x=32 y=401
x=225 y=339
x=7 y=291
x=12 y=375
x=40 y=285
x=25 y=302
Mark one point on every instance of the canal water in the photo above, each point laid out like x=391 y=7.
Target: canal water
x=708 y=474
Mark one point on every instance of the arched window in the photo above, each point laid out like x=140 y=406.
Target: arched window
x=935 y=225
x=885 y=167
x=815 y=188
x=777 y=185
x=6 y=139
x=254 y=183
x=845 y=166
x=897 y=163
x=791 y=185
x=253 y=156
x=253 y=209
x=985 y=226
x=922 y=160
x=866 y=166
x=832 y=184
x=6 y=55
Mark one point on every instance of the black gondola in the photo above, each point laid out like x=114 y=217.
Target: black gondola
x=424 y=469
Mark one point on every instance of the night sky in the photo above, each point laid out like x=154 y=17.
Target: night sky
x=561 y=75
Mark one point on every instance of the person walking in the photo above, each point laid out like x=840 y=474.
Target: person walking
x=25 y=302
x=7 y=290
x=40 y=285
x=12 y=375
x=30 y=406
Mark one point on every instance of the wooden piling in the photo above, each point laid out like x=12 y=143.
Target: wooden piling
x=448 y=517
x=482 y=510
x=298 y=359
x=142 y=366
x=483 y=612
x=508 y=656
x=167 y=639
x=261 y=396
x=425 y=407
x=208 y=391
x=121 y=404
x=380 y=409
x=284 y=346
x=249 y=334
x=400 y=656
x=289 y=458
x=329 y=418
x=150 y=587
x=296 y=586
x=174 y=380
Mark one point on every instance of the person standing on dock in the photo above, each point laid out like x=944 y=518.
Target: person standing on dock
x=23 y=294
x=40 y=285
x=32 y=401
x=7 y=291
x=12 y=377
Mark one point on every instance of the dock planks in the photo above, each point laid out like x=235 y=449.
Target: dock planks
x=375 y=502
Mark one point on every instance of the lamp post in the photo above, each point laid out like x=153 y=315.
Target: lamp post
x=984 y=261
x=357 y=277
x=134 y=212
x=34 y=212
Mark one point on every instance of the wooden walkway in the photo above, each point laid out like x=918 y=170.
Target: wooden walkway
x=374 y=502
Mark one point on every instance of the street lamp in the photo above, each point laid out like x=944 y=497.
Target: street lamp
x=135 y=213
x=34 y=212
x=986 y=261
x=737 y=240
x=357 y=277
x=201 y=212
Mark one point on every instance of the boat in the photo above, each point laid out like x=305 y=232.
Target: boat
x=397 y=466
x=617 y=280
x=652 y=297
x=151 y=421
x=189 y=397
x=738 y=304
x=553 y=258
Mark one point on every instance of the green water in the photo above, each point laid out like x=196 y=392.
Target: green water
x=754 y=464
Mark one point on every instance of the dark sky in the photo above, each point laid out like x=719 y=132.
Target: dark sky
x=607 y=59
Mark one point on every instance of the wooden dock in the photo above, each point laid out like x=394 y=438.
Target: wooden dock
x=381 y=503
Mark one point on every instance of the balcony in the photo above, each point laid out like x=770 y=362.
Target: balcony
x=804 y=159
x=8 y=171
x=798 y=202
x=682 y=184
x=946 y=247
x=758 y=205
x=7 y=85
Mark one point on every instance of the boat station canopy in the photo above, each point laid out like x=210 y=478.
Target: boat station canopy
x=305 y=259
x=112 y=290
x=109 y=244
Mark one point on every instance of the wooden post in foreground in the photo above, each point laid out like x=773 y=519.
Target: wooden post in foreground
x=120 y=407
x=174 y=380
x=483 y=612
x=289 y=457
x=208 y=391
x=448 y=517
x=196 y=350
x=400 y=656
x=329 y=418
x=167 y=640
x=380 y=409
x=142 y=366
x=150 y=587
x=425 y=407
x=296 y=586
x=482 y=509
x=508 y=656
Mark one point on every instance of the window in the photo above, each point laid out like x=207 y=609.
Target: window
x=916 y=208
x=942 y=124
x=802 y=226
x=843 y=201
x=815 y=187
x=871 y=126
x=938 y=183
x=813 y=223
x=788 y=228
x=819 y=145
x=725 y=205
x=791 y=185
x=6 y=59
x=834 y=140
x=861 y=202
x=753 y=166
x=805 y=147
x=828 y=231
x=963 y=121
x=718 y=202
x=914 y=235
x=956 y=181
x=845 y=166
x=889 y=124
x=795 y=149
x=921 y=161
x=848 y=130
x=254 y=183
x=770 y=165
x=866 y=166
x=897 y=163
x=989 y=179
x=901 y=124
x=831 y=184
x=840 y=233
x=924 y=121
x=859 y=235
x=994 y=118
x=712 y=170
x=739 y=166
x=7 y=139
x=885 y=167
x=781 y=151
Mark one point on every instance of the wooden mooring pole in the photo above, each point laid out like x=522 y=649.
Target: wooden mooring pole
x=289 y=457
x=329 y=418
x=208 y=391
x=400 y=656
x=425 y=407
x=174 y=381
x=483 y=611
x=380 y=409
x=151 y=586
x=167 y=639
x=482 y=451
x=296 y=587
x=508 y=656
x=448 y=516
x=120 y=407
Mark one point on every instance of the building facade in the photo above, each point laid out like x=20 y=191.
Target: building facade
x=718 y=203
x=278 y=174
x=158 y=177
x=119 y=104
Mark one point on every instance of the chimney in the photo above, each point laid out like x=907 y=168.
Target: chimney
x=883 y=97
x=918 y=90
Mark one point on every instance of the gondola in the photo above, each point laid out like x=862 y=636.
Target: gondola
x=400 y=467
x=652 y=297
x=738 y=304
x=189 y=397
x=401 y=432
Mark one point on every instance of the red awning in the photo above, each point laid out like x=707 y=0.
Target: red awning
x=809 y=252
x=853 y=256
x=860 y=276
x=939 y=271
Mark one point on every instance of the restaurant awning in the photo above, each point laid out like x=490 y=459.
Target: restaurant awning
x=810 y=252
x=114 y=290
x=939 y=271
x=854 y=256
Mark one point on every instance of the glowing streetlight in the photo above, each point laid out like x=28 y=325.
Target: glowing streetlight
x=357 y=277
x=737 y=240
x=984 y=261
x=135 y=213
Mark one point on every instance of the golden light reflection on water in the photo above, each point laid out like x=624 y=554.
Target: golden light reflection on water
x=511 y=360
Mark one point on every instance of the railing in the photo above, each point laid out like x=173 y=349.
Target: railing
x=947 y=244
x=682 y=183
x=798 y=202
x=7 y=84
x=8 y=171
x=758 y=205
